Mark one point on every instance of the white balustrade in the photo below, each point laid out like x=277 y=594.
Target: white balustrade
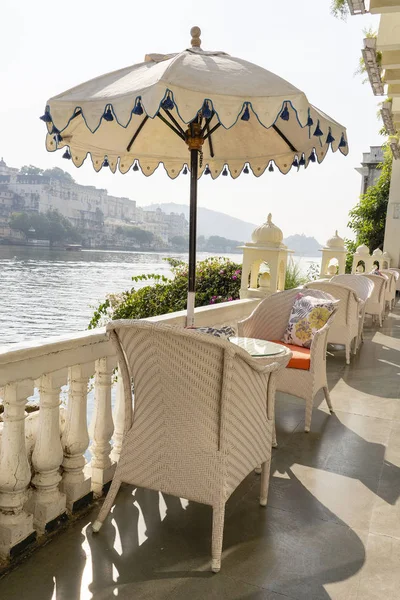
x=47 y=502
x=37 y=491
x=75 y=437
x=16 y=525
x=119 y=419
x=102 y=426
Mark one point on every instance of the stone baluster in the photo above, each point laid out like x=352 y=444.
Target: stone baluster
x=75 y=439
x=47 y=503
x=16 y=525
x=119 y=419
x=102 y=426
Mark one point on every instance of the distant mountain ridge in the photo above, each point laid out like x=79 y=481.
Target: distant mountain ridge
x=211 y=222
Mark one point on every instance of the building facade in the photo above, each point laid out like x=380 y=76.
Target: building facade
x=88 y=208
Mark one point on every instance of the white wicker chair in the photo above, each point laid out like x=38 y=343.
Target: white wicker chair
x=202 y=421
x=268 y=322
x=345 y=329
x=363 y=287
x=397 y=278
x=390 y=294
x=376 y=303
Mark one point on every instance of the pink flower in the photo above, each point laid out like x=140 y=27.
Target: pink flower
x=234 y=277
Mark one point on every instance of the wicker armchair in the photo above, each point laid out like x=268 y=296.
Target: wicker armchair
x=376 y=303
x=345 y=329
x=268 y=322
x=390 y=294
x=395 y=270
x=363 y=287
x=202 y=419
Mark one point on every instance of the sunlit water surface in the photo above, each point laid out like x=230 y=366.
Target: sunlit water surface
x=47 y=292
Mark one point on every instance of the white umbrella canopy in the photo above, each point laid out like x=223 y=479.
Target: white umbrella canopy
x=230 y=114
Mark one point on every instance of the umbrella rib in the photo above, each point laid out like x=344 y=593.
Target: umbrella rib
x=138 y=130
x=283 y=136
x=175 y=122
x=212 y=131
x=210 y=140
x=178 y=133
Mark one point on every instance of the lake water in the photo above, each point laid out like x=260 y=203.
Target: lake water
x=46 y=292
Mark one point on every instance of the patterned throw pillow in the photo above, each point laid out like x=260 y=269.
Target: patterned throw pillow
x=225 y=331
x=308 y=315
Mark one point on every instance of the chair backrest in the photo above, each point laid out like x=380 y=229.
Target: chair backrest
x=380 y=282
x=270 y=318
x=348 y=306
x=396 y=272
x=183 y=380
x=362 y=286
x=392 y=280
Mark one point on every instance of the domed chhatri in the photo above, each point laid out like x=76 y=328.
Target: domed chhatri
x=264 y=262
x=335 y=241
x=268 y=234
x=377 y=252
x=363 y=249
x=362 y=260
x=333 y=257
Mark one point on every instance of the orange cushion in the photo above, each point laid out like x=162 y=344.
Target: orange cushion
x=301 y=356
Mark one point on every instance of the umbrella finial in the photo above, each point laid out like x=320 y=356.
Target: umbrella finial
x=269 y=220
x=195 y=32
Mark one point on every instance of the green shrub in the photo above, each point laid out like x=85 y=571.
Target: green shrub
x=217 y=280
x=294 y=277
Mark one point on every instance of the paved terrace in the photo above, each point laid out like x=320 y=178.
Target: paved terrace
x=331 y=528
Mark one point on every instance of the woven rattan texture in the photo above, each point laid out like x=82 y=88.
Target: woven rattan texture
x=202 y=418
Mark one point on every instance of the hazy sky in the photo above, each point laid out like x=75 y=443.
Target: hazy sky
x=47 y=47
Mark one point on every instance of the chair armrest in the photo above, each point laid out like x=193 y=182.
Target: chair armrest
x=319 y=343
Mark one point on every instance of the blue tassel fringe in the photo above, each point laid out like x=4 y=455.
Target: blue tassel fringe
x=138 y=108
x=108 y=116
x=285 y=114
x=246 y=114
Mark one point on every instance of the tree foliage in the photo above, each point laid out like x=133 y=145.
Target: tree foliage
x=340 y=8
x=368 y=217
x=51 y=225
x=135 y=233
x=217 y=280
x=54 y=173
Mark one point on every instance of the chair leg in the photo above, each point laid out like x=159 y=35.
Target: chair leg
x=274 y=441
x=107 y=504
x=328 y=399
x=347 y=354
x=217 y=536
x=309 y=409
x=266 y=467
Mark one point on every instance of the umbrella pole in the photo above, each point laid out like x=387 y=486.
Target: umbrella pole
x=194 y=164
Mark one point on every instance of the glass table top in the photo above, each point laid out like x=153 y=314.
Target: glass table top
x=258 y=347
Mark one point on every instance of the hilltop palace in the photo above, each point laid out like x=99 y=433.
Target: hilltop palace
x=90 y=209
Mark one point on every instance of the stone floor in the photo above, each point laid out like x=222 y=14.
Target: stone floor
x=331 y=528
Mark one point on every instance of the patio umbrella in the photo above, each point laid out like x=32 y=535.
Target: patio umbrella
x=206 y=112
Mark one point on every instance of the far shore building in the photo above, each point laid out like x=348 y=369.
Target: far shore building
x=90 y=209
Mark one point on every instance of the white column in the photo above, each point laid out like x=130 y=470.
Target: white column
x=47 y=502
x=244 y=283
x=102 y=426
x=342 y=263
x=75 y=439
x=119 y=419
x=16 y=525
x=255 y=268
x=324 y=264
x=392 y=229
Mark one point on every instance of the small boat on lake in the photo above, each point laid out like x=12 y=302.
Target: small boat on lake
x=73 y=247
